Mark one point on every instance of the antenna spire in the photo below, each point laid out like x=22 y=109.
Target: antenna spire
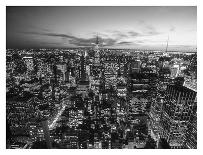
x=97 y=39
x=167 y=44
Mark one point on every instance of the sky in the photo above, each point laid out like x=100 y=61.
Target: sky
x=117 y=27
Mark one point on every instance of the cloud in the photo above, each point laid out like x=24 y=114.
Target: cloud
x=125 y=43
x=115 y=37
x=150 y=31
x=110 y=42
x=77 y=41
x=134 y=43
x=81 y=41
x=50 y=34
x=88 y=42
x=134 y=34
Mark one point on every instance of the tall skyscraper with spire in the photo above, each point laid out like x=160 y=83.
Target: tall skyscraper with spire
x=96 y=49
x=165 y=52
x=96 y=66
x=97 y=43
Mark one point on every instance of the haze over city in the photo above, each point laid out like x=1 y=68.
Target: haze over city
x=117 y=27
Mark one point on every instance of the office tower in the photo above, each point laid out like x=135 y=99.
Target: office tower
x=178 y=109
x=96 y=67
x=139 y=83
x=122 y=89
x=155 y=116
x=191 y=133
x=29 y=62
x=96 y=49
x=102 y=83
x=82 y=69
x=83 y=84
x=164 y=75
x=110 y=71
x=135 y=66
x=63 y=68
x=175 y=70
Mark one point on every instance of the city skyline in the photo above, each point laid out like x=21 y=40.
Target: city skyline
x=111 y=99
x=118 y=27
x=98 y=77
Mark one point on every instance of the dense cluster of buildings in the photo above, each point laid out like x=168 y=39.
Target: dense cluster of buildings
x=100 y=98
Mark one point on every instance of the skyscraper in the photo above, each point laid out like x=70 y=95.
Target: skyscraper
x=191 y=134
x=135 y=66
x=82 y=68
x=178 y=109
x=83 y=84
x=29 y=62
x=96 y=49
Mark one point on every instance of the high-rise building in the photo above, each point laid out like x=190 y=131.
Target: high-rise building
x=155 y=115
x=83 y=84
x=191 y=134
x=164 y=75
x=175 y=69
x=29 y=62
x=110 y=71
x=82 y=68
x=96 y=49
x=139 y=83
x=122 y=90
x=178 y=109
x=135 y=66
x=63 y=68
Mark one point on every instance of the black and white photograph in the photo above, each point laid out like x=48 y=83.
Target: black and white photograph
x=101 y=77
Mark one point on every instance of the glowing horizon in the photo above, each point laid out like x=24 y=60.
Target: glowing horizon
x=118 y=27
